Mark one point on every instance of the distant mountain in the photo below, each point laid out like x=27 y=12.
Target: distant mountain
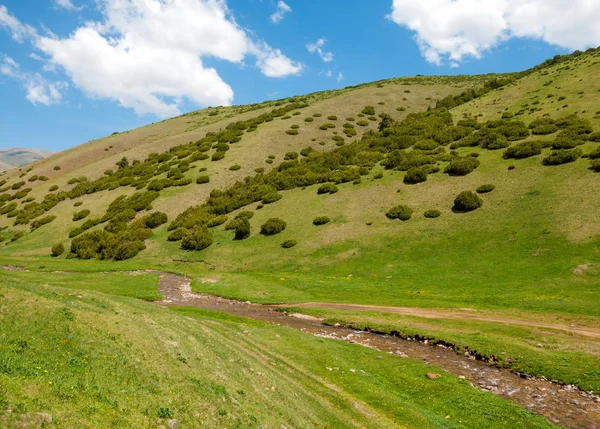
x=16 y=157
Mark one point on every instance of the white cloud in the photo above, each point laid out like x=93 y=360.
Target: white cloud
x=455 y=29
x=18 y=31
x=67 y=4
x=148 y=54
x=318 y=48
x=279 y=14
x=38 y=89
x=340 y=77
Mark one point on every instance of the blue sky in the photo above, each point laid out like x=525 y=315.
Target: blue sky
x=75 y=70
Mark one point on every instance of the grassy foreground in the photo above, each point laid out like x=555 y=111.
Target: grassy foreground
x=95 y=360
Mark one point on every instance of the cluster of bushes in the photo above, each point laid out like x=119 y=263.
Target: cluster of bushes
x=327 y=188
x=558 y=157
x=523 y=150
x=400 y=212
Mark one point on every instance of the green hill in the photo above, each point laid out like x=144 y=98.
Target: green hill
x=364 y=185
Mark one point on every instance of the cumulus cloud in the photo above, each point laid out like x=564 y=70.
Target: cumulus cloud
x=38 y=89
x=455 y=29
x=317 y=47
x=279 y=14
x=148 y=54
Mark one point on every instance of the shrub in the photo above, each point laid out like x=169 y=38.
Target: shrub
x=368 y=110
x=362 y=123
x=309 y=119
x=467 y=201
x=235 y=167
x=595 y=154
x=327 y=188
x=400 y=212
x=272 y=226
x=58 y=249
x=202 y=179
x=17 y=185
x=595 y=165
x=332 y=118
x=288 y=243
x=81 y=215
x=523 y=150
x=415 y=175
x=128 y=250
x=154 y=220
x=484 y=189
x=433 y=213
x=42 y=221
x=565 y=156
x=595 y=137
x=292 y=132
x=290 y=156
x=217 y=156
x=56 y=167
x=216 y=221
x=198 y=238
x=242 y=228
x=78 y=203
x=321 y=220
x=271 y=197
x=461 y=166
x=176 y=235
x=53 y=188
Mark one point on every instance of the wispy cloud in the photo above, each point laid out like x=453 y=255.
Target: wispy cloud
x=317 y=47
x=280 y=12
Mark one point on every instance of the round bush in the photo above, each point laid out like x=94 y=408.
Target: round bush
x=484 y=189
x=202 y=179
x=595 y=165
x=401 y=212
x=288 y=243
x=53 y=188
x=58 y=249
x=217 y=156
x=332 y=118
x=155 y=220
x=432 y=214
x=461 y=166
x=327 y=188
x=242 y=228
x=272 y=226
x=415 y=175
x=467 y=201
x=216 y=221
x=559 y=157
x=292 y=132
x=198 y=238
x=128 y=250
x=176 y=235
x=321 y=220
x=81 y=215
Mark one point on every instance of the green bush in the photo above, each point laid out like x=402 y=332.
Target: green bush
x=595 y=137
x=484 y=189
x=467 y=201
x=217 y=221
x=368 y=110
x=309 y=119
x=595 y=165
x=461 y=166
x=202 y=179
x=292 y=132
x=288 y=244
x=327 y=188
x=272 y=226
x=400 y=212
x=53 y=188
x=290 y=156
x=242 y=228
x=81 y=215
x=177 y=234
x=415 y=175
x=42 y=221
x=217 y=156
x=433 y=213
x=523 y=150
x=235 y=167
x=362 y=123
x=128 y=250
x=56 y=167
x=565 y=156
x=198 y=238
x=332 y=118
x=321 y=220
x=58 y=249
x=595 y=154
x=154 y=220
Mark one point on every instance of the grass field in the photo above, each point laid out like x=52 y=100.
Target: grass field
x=209 y=369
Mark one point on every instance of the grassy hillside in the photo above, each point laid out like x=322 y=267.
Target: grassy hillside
x=363 y=184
